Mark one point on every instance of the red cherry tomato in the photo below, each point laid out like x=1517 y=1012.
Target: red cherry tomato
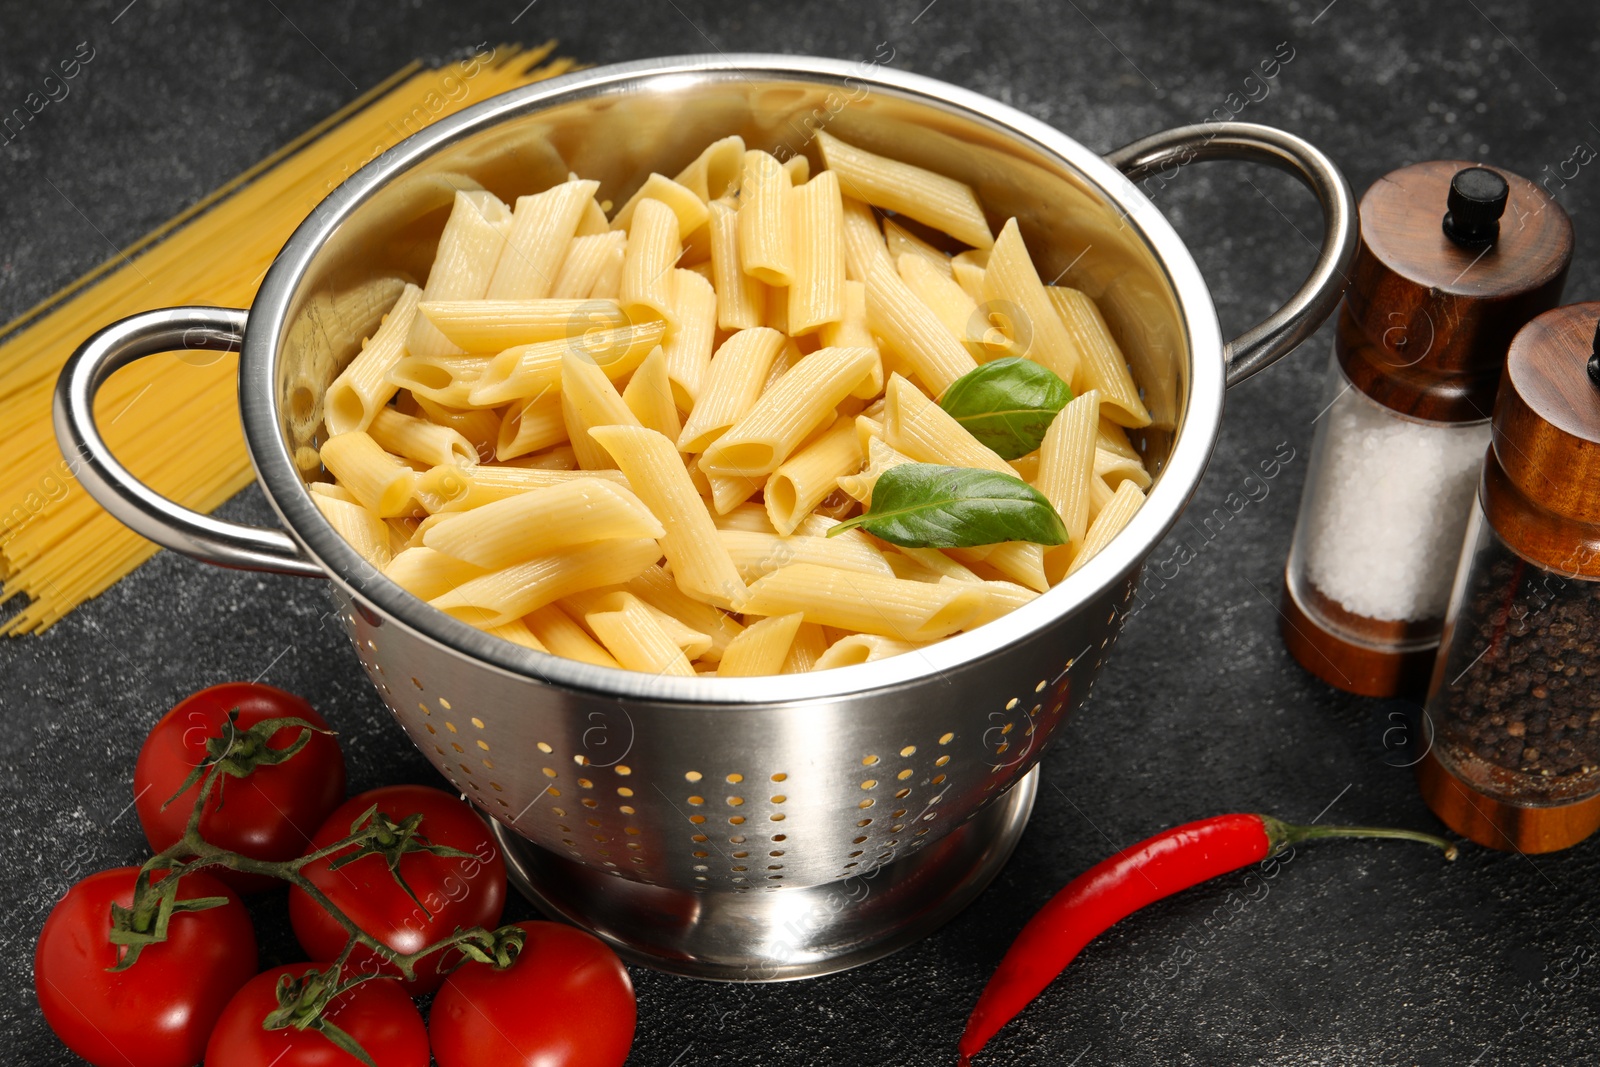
x=455 y=891
x=158 y=1012
x=268 y=815
x=565 y=1001
x=377 y=1014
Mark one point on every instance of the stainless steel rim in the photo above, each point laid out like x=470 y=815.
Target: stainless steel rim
x=288 y=495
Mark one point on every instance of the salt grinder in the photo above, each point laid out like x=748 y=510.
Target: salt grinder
x=1512 y=721
x=1454 y=259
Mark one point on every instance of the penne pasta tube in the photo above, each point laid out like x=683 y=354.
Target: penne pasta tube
x=363 y=388
x=424 y=573
x=593 y=220
x=559 y=633
x=762 y=648
x=1116 y=469
x=517 y=632
x=491 y=326
x=932 y=199
x=480 y=427
x=692 y=642
x=921 y=429
x=648 y=265
x=586 y=259
x=782 y=417
x=380 y=482
x=880 y=457
x=1114 y=438
x=809 y=644
x=1067 y=462
x=556 y=458
x=864 y=246
x=797 y=169
x=1000 y=598
x=866 y=603
x=750 y=517
x=805 y=479
x=863 y=648
x=1124 y=502
x=1101 y=364
x=632 y=634
x=468 y=250
x=333 y=491
x=700 y=564
x=447 y=380
x=686 y=204
x=765 y=244
x=902 y=242
x=851 y=330
x=656 y=588
x=715 y=169
x=366 y=533
x=496 y=598
x=542 y=226
x=649 y=396
x=688 y=347
x=531 y=370
x=608 y=282
x=949 y=303
x=426 y=442
x=968 y=273
x=1011 y=277
x=517 y=528
x=588 y=400
x=729 y=491
x=913 y=331
x=1020 y=561
x=529 y=425
x=451 y=488
x=816 y=225
x=732 y=384
x=741 y=297
x=759 y=554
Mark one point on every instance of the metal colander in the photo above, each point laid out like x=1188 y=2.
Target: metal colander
x=750 y=828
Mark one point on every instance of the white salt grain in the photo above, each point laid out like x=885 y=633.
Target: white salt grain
x=1385 y=518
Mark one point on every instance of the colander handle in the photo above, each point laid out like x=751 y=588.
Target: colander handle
x=211 y=330
x=1279 y=333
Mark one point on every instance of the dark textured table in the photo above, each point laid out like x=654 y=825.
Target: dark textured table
x=1353 y=954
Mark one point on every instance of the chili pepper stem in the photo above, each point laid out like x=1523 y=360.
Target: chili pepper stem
x=1280 y=833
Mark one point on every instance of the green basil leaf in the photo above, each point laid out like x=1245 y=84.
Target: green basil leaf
x=1007 y=404
x=924 y=505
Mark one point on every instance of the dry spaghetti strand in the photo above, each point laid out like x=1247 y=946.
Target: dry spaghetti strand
x=57 y=547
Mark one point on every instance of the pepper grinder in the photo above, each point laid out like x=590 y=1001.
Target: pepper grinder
x=1513 y=718
x=1454 y=259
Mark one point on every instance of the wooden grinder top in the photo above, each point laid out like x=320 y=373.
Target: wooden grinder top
x=1451 y=266
x=1542 y=493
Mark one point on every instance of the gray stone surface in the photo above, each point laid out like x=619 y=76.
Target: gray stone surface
x=1354 y=954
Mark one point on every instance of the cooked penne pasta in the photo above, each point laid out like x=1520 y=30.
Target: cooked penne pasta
x=648 y=265
x=863 y=648
x=491 y=326
x=866 y=603
x=509 y=531
x=1101 y=364
x=807 y=477
x=649 y=396
x=700 y=564
x=586 y=259
x=496 y=598
x=733 y=381
x=420 y=439
x=381 y=482
x=688 y=347
x=932 y=199
x=686 y=204
x=626 y=440
x=762 y=648
x=816 y=225
x=364 y=387
x=469 y=249
x=785 y=415
x=715 y=169
x=765 y=248
x=542 y=226
x=365 y=531
x=741 y=296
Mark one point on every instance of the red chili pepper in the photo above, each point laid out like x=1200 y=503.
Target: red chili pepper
x=1116 y=888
